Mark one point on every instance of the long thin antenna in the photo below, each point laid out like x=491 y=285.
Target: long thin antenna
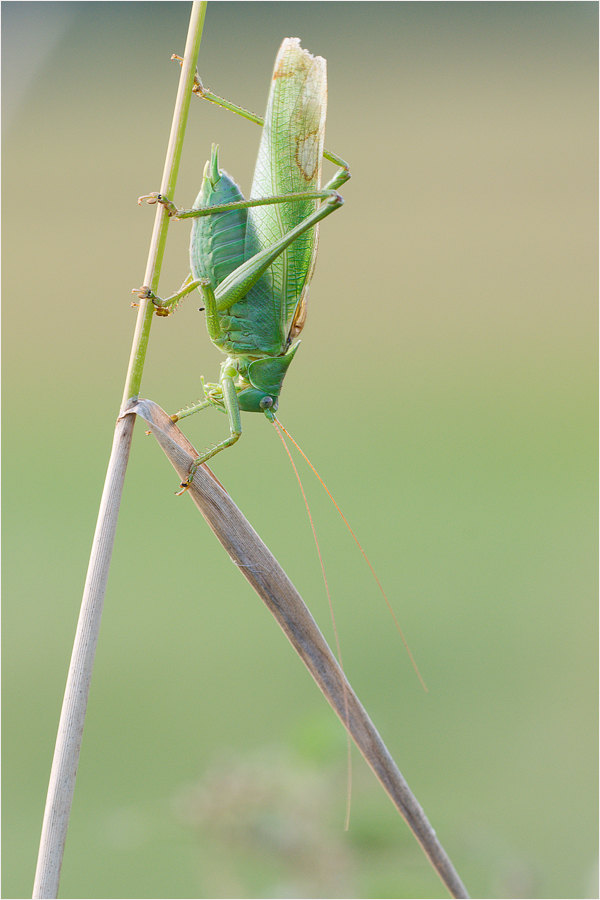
x=278 y=426
x=358 y=544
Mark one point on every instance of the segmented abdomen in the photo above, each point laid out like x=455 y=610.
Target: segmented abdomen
x=217 y=241
x=219 y=244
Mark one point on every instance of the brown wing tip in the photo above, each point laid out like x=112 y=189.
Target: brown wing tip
x=291 y=57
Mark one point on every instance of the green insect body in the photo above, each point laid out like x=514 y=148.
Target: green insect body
x=253 y=260
x=217 y=242
x=248 y=330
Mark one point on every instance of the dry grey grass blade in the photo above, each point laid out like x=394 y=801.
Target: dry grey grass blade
x=72 y=718
x=261 y=569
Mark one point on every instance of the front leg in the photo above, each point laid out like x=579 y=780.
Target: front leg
x=168 y=306
x=232 y=409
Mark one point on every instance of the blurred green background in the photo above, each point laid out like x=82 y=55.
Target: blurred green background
x=445 y=390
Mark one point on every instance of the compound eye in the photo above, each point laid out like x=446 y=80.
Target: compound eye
x=266 y=403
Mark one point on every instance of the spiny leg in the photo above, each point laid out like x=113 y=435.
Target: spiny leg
x=232 y=409
x=169 y=305
x=206 y=94
x=213 y=173
x=245 y=276
x=331 y=201
x=194 y=408
x=175 y=212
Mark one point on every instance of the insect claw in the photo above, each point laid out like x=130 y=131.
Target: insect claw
x=155 y=197
x=197 y=87
x=149 y=198
x=144 y=293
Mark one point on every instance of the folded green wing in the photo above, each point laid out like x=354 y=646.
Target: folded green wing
x=289 y=161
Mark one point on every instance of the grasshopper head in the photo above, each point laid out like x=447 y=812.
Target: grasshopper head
x=254 y=400
x=265 y=377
